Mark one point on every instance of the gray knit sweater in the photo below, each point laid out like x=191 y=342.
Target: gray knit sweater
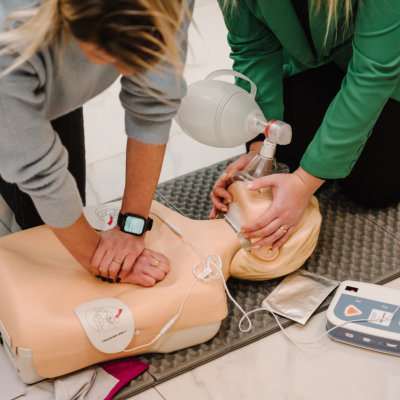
x=31 y=154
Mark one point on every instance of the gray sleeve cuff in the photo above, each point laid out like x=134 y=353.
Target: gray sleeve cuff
x=60 y=211
x=147 y=131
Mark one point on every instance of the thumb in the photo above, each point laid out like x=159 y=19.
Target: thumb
x=263 y=182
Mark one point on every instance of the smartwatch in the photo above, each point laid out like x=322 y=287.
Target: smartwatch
x=134 y=224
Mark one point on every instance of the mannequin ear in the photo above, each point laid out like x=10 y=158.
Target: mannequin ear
x=262 y=264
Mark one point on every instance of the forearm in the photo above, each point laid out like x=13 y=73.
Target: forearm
x=311 y=183
x=80 y=239
x=143 y=167
x=121 y=256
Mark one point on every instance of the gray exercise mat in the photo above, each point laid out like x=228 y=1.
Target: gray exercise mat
x=354 y=243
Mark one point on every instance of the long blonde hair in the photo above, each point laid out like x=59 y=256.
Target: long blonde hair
x=331 y=6
x=138 y=32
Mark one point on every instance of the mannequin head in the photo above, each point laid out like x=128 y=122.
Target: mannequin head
x=265 y=263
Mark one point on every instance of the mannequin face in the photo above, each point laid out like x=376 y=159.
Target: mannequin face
x=100 y=57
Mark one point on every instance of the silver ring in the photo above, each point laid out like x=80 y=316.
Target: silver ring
x=155 y=263
x=117 y=261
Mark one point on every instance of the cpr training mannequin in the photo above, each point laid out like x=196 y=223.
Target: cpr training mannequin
x=41 y=285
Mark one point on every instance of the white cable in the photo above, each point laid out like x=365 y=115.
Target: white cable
x=212 y=270
x=245 y=315
x=168 y=325
x=212 y=260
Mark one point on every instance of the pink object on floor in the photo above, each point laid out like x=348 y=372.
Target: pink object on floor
x=124 y=370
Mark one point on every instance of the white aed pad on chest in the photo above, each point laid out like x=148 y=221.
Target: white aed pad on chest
x=366 y=315
x=108 y=323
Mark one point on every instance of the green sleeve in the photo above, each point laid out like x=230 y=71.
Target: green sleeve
x=371 y=79
x=257 y=54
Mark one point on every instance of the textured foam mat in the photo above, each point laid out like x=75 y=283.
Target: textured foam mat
x=354 y=243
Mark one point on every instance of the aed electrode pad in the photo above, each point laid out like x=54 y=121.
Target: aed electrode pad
x=366 y=315
x=108 y=323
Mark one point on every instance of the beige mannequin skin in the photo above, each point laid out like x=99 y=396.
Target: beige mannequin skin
x=251 y=204
x=264 y=263
x=41 y=284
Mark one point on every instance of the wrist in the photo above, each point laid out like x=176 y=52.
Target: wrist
x=311 y=182
x=134 y=224
x=255 y=147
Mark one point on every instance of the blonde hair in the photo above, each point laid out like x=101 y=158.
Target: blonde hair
x=332 y=11
x=137 y=32
x=317 y=6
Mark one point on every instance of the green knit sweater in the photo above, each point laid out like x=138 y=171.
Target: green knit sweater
x=269 y=43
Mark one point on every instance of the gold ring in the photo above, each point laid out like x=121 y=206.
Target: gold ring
x=155 y=263
x=283 y=229
x=117 y=261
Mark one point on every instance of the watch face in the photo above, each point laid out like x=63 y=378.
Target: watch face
x=134 y=225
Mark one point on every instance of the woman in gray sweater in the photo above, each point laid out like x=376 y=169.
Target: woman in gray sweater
x=53 y=59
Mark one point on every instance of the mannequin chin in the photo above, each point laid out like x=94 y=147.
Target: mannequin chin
x=41 y=285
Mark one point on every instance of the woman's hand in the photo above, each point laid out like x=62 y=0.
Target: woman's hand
x=148 y=268
x=219 y=194
x=122 y=257
x=291 y=195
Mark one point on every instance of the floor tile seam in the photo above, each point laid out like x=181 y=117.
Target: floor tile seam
x=88 y=165
x=159 y=393
x=222 y=352
x=129 y=392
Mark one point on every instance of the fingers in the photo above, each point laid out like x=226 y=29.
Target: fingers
x=263 y=182
x=290 y=200
x=240 y=163
x=146 y=269
x=277 y=238
x=219 y=195
x=219 y=201
x=270 y=228
x=159 y=260
x=114 y=268
x=126 y=266
x=106 y=263
x=149 y=268
x=116 y=254
x=283 y=239
x=213 y=213
x=267 y=223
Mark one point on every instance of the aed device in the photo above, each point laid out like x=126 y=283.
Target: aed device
x=366 y=315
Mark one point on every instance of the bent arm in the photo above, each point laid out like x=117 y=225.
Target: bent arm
x=373 y=76
x=143 y=167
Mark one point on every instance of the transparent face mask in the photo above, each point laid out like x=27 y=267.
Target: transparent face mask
x=299 y=295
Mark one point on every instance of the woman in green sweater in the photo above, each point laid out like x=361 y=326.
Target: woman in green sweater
x=331 y=69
